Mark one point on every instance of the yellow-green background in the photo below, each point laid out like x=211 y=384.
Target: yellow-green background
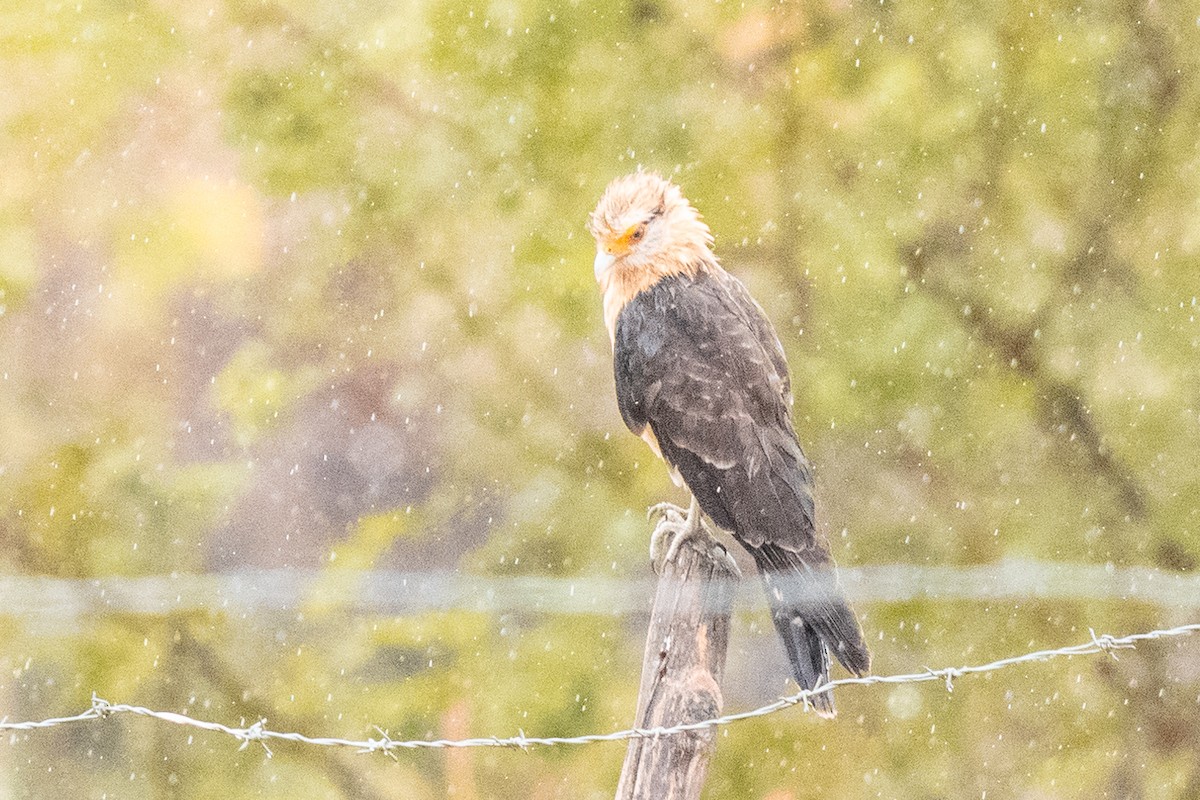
x=305 y=286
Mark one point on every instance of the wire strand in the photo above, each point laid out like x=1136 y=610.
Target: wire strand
x=47 y=603
x=258 y=732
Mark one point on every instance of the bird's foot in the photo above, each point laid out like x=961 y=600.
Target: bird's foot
x=671 y=518
x=677 y=526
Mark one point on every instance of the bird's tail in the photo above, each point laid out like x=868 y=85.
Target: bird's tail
x=813 y=619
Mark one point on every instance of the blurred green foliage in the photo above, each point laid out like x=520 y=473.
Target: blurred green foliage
x=306 y=286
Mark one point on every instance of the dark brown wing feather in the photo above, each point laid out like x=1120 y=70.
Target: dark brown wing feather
x=698 y=362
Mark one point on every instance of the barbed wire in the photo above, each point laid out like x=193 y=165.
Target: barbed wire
x=258 y=732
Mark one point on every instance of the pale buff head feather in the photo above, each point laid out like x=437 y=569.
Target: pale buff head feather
x=645 y=230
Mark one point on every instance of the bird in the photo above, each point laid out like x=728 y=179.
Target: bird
x=701 y=376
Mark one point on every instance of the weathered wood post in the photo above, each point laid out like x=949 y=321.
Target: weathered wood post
x=681 y=675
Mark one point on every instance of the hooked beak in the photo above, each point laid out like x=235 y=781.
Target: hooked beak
x=604 y=262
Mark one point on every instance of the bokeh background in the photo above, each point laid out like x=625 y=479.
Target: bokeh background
x=297 y=314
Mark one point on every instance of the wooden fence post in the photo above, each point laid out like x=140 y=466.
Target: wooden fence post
x=681 y=675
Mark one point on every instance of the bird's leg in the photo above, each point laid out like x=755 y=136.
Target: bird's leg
x=675 y=527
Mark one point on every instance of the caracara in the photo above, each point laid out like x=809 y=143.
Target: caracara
x=702 y=378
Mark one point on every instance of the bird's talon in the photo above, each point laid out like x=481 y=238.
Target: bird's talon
x=659 y=544
x=665 y=511
x=685 y=533
x=721 y=555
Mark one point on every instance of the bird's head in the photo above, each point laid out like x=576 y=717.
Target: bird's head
x=644 y=223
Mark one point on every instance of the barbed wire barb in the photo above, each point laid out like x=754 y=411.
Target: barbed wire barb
x=1108 y=644
x=258 y=731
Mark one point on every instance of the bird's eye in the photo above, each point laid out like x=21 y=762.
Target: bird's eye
x=638 y=233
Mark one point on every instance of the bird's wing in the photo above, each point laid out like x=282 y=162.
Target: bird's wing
x=698 y=363
x=751 y=313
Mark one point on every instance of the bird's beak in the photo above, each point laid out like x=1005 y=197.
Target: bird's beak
x=604 y=262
